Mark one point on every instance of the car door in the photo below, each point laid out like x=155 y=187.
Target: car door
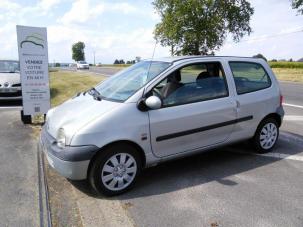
x=196 y=112
x=255 y=96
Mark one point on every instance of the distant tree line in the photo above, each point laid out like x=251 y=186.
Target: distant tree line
x=275 y=60
x=121 y=61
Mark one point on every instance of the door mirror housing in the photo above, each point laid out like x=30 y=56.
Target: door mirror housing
x=153 y=102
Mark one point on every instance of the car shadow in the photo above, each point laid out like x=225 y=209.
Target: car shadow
x=10 y=103
x=216 y=165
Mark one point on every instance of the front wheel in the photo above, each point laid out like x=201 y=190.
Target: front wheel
x=115 y=170
x=266 y=135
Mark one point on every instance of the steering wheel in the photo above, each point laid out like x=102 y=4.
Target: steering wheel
x=157 y=92
x=244 y=79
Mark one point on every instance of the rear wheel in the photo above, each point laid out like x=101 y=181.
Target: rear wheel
x=115 y=170
x=266 y=135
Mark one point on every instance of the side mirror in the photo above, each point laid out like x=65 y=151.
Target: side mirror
x=153 y=102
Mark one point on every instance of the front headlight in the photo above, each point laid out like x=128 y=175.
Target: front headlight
x=61 y=138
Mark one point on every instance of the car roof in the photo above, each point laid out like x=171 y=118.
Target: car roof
x=206 y=57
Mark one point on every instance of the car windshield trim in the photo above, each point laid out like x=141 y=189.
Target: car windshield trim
x=127 y=82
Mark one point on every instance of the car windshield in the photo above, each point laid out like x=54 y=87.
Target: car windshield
x=82 y=62
x=9 y=66
x=127 y=82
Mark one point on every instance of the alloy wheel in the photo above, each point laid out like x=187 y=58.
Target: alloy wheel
x=119 y=171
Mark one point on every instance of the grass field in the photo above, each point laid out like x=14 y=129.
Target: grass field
x=64 y=84
x=284 y=74
x=288 y=65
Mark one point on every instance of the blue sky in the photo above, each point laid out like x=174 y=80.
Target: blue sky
x=124 y=29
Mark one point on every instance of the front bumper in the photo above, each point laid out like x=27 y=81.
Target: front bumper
x=83 y=67
x=11 y=98
x=16 y=95
x=70 y=162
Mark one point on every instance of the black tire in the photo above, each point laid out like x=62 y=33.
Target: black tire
x=103 y=157
x=256 y=139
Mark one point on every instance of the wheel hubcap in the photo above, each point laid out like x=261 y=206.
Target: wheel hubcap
x=268 y=135
x=119 y=171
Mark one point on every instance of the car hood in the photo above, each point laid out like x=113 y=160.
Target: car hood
x=11 y=78
x=76 y=113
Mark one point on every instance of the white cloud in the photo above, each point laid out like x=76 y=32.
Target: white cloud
x=107 y=45
x=9 y=5
x=83 y=10
x=47 y=5
x=123 y=7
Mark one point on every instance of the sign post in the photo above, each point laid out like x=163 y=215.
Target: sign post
x=33 y=58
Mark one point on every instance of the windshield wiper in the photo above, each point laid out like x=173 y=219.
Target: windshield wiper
x=96 y=94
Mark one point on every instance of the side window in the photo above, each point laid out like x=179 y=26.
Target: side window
x=249 y=77
x=192 y=83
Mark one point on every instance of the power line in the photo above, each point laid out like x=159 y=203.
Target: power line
x=266 y=37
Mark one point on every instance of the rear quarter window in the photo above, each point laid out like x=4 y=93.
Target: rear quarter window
x=249 y=77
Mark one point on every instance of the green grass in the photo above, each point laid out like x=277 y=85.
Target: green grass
x=64 y=84
x=289 y=65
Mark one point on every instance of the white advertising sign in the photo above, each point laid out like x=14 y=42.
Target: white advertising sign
x=33 y=57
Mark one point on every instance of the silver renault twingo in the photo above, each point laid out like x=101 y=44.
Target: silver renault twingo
x=158 y=110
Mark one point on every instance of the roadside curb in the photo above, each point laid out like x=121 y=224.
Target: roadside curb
x=44 y=207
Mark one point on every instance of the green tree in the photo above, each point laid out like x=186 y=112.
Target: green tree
x=298 y=4
x=116 y=62
x=200 y=26
x=260 y=56
x=78 y=51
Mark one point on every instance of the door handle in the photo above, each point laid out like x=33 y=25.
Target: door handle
x=237 y=104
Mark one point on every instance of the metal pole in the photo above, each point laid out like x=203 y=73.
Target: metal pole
x=94 y=58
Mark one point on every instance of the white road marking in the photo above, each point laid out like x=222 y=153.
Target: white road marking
x=286 y=138
x=293 y=118
x=273 y=155
x=282 y=156
x=292 y=105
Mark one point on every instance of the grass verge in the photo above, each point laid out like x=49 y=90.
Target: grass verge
x=65 y=84
x=289 y=74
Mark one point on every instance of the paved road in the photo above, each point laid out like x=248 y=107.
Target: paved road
x=106 y=71
x=19 y=200
x=292 y=92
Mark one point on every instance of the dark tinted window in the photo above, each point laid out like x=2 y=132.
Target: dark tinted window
x=192 y=83
x=249 y=77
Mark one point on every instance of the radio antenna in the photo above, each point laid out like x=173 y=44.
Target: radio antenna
x=151 y=59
